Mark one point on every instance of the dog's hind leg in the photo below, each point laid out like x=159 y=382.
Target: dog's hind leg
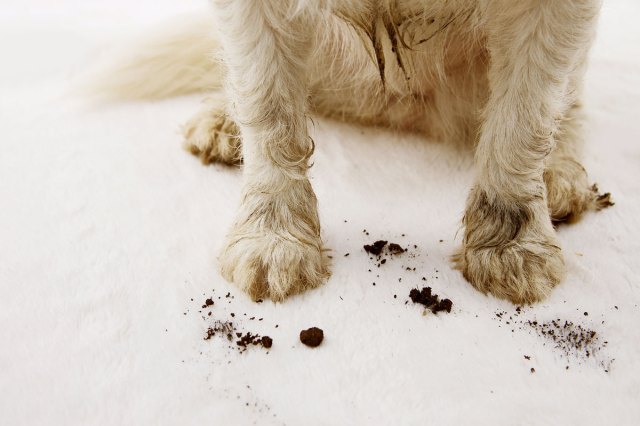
x=212 y=135
x=569 y=193
x=509 y=247
x=274 y=247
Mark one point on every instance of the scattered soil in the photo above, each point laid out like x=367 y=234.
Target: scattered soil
x=312 y=337
x=225 y=328
x=381 y=252
x=571 y=340
x=228 y=329
x=429 y=300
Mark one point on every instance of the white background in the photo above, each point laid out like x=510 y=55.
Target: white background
x=108 y=229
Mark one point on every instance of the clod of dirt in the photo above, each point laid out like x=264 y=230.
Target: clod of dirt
x=443 y=305
x=253 y=339
x=375 y=248
x=395 y=248
x=313 y=336
x=429 y=300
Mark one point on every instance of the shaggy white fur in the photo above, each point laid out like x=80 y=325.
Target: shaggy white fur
x=508 y=74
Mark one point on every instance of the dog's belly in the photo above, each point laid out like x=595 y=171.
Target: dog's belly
x=405 y=66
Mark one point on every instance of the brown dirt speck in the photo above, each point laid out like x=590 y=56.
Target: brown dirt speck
x=312 y=337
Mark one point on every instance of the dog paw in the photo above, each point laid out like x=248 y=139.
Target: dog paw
x=274 y=266
x=213 y=137
x=274 y=249
x=509 y=250
x=568 y=191
x=520 y=271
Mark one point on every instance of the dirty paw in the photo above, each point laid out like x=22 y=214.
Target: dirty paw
x=569 y=194
x=213 y=137
x=273 y=266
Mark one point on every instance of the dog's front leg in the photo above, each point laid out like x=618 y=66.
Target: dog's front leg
x=509 y=247
x=274 y=248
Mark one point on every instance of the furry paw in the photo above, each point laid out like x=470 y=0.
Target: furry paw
x=213 y=137
x=568 y=191
x=274 y=249
x=509 y=250
x=273 y=266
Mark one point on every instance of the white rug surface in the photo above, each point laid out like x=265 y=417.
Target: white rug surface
x=109 y=233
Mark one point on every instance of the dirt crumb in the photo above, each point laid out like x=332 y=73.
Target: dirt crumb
x=429 y=300
x=375 y=248
x=395 y=248
x=312 y=337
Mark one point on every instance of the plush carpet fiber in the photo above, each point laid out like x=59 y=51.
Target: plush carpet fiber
x=109 y=233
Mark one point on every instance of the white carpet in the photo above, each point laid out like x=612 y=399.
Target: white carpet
x=108 y=230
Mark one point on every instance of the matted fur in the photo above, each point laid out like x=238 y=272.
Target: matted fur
x=504 y=74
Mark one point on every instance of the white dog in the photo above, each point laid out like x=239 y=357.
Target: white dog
x=504 y=74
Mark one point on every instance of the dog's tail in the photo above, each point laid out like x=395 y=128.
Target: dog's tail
x=179 y=59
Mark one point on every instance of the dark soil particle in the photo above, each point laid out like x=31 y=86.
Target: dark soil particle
x=443 y=305
x=267 y=342
x=395 y=248
x=429 y=300
x=312 y=337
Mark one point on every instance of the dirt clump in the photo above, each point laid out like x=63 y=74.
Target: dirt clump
x=431 y=301
x=312 y=337
x=395 y=248
x=266 y=341
x=249 y=338
x=375 y=248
